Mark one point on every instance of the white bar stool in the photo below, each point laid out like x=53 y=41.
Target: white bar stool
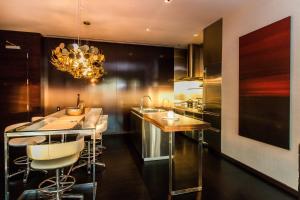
x=23 y=142
x=55 y=157
x=105 y=119
x=87 y=153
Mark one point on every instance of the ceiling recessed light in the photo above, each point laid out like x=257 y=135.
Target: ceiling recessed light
x=196 y=35
x=168 y=1
x=148 y=29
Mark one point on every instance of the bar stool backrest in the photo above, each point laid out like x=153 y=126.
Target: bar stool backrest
x=101 y=127
x=35 y=118
x=92 y=117
x=55 y=151
x=13 y=126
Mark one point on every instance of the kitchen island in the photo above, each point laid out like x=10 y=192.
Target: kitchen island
x=150 y=142
x=168 y=127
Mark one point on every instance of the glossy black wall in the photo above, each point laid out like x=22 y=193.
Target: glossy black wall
x=132 y=71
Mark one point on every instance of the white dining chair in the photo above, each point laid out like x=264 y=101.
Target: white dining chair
x=87 y=154
x=35 y=118
x=56 y=157
x=23 y=142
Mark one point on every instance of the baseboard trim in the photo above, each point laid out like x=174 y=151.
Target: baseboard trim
x=262 y=176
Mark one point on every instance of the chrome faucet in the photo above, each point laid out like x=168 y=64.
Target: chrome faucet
x=142 y=101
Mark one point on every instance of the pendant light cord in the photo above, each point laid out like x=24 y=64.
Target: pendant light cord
x=78 y=22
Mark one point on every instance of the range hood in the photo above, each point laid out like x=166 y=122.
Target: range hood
x=194 y=63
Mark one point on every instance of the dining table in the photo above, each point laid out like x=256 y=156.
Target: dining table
x=58 y=123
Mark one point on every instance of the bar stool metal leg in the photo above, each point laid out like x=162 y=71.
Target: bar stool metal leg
x=170 y=163
x=89 y=157
x=101 y=145
x=54 y=187
x=24 y=160
x=26 y=173
x=57 y=184
x=6 y=169
x=17 y=173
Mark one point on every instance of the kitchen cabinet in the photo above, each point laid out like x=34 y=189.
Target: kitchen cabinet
x=212 y=43
x=212 y=47
x=165 y=66
x=180 y=63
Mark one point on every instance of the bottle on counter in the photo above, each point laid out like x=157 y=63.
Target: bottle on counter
x=190 y=103
x=78 y=100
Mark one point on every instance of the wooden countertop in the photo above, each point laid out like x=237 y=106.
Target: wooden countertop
x=183 y=124
x=191 y=110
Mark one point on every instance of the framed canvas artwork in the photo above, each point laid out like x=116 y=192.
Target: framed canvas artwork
x=264 y=84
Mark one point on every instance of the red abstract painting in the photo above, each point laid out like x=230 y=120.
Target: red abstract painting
x=264 y=84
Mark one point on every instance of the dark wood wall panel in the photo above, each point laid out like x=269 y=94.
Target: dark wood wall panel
x=264 y=87
x=15 y=68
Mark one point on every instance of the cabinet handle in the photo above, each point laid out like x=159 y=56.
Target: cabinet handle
x=211 y=113
x=214 y=130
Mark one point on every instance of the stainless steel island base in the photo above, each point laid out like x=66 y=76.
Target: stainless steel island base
x=170 y=127
x=198 y=188
x=150 y=142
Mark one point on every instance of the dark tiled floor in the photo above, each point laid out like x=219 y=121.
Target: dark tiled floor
x=126 y=177
x=222 y=180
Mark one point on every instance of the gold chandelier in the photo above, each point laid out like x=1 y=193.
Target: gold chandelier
x=82 y=62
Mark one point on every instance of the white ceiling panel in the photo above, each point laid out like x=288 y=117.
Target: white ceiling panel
x=172 y=24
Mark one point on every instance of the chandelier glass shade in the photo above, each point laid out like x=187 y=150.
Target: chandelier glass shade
x=80 y=61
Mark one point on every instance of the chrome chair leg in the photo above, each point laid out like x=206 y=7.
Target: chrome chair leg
x=101 y=145
x=62 y=172
x=100 y=164
x=57 y=184
x=89 y=157
x=17 y=173
x=79 y=166
x=63 y=139
x=26 y=172
x=54 y=187
x=24 y=160
x=72 y=196
x=25 y=177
